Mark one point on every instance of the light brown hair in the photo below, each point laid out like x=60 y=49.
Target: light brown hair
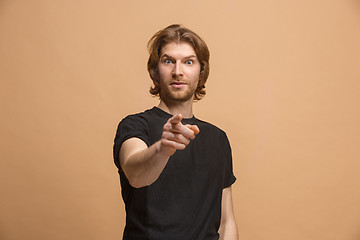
x=178 y=33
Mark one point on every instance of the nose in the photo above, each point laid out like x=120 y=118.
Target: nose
x=177 y=71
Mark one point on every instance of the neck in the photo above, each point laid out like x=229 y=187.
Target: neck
x=183 y=108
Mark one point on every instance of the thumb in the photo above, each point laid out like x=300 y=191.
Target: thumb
x=194 y=128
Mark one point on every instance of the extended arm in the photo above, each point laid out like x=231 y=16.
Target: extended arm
x=142 y=165
x=228 y=229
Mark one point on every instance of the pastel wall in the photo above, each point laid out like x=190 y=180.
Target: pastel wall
x=284 y=85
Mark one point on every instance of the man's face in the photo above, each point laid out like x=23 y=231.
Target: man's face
x=179 y=71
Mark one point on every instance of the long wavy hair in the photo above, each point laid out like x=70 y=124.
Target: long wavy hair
x=177 y=33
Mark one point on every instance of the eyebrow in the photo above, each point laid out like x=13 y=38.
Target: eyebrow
x=168 y=56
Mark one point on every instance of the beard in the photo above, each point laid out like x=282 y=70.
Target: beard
x=169 y=94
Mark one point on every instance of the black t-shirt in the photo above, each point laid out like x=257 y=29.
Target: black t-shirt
x=185 y=201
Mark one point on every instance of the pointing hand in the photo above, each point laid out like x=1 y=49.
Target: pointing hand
x=177 y=136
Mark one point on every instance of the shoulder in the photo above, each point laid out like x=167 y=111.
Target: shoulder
x=210 y=128
x=143 y=114
x=208 y=125
x=134 y=125
x=137 y=117
x=137 y=122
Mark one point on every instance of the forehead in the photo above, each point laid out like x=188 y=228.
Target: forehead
x=178 y=49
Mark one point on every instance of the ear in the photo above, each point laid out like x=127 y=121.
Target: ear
x=154 y=74
x=201 y=67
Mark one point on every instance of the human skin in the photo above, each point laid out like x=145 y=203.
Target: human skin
x=178 y=72
x=142 y=165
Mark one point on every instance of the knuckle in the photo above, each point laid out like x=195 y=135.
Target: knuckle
x=165 y=135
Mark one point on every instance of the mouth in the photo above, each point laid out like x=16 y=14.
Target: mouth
x=177 y=84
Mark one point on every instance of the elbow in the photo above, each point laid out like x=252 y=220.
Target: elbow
x=130 y=175
x=132 y=179
x=135 y=183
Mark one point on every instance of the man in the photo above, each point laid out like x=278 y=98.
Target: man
x=175 y=170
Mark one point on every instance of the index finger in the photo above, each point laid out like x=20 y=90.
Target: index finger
x=175 y=119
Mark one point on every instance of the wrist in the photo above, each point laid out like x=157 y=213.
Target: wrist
x=164 y=150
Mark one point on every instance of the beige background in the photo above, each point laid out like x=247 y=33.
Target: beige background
x=284 y=85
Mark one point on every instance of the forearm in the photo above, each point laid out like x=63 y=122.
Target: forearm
x=228 y=231
x=228 y=228
x=144 y=165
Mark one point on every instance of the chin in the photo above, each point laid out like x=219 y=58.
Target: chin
x=179 y=98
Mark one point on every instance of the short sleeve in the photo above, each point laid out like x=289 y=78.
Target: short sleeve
x=229 y=177
x=131 y=126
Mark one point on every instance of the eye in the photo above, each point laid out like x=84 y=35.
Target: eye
x=168 y=61
x=190 y=62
